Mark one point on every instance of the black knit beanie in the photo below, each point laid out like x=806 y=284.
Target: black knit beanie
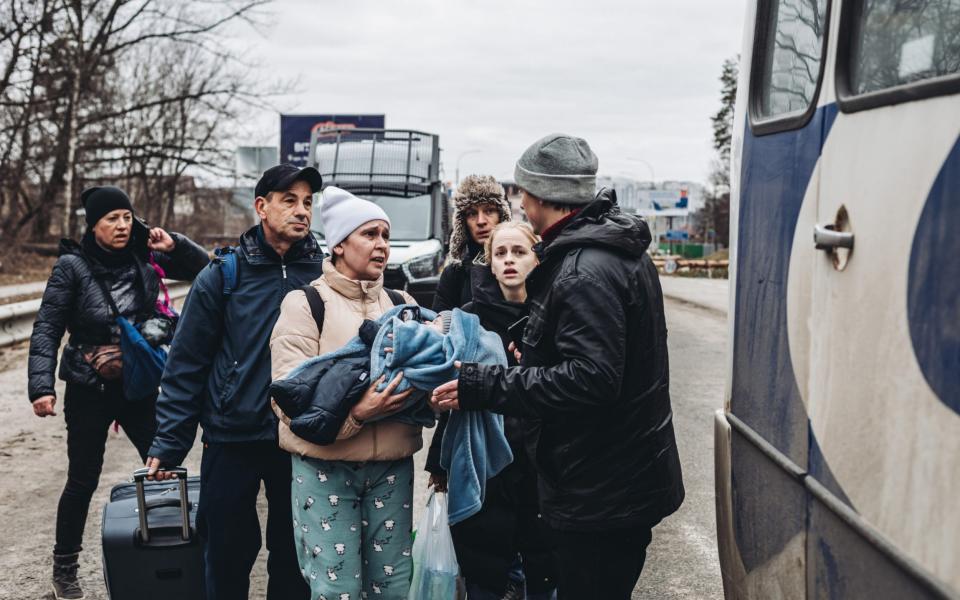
x=98 y=201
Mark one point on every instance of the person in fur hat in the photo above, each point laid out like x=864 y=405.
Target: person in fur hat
x=479 y=205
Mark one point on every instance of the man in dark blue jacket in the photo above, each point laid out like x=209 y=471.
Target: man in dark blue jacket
x=217 y=375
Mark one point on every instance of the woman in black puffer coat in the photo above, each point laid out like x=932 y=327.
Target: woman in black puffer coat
x=113 y=255
x=504 y=550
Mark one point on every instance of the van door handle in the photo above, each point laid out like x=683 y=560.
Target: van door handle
x=826 y=237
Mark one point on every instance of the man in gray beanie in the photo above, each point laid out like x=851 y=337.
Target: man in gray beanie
x=592 y=386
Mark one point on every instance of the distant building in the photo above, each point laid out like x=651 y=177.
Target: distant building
x=637 y=197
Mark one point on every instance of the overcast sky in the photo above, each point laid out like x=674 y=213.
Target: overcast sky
x=637 y=79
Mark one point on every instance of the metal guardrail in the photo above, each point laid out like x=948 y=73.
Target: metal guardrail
x=16 y=320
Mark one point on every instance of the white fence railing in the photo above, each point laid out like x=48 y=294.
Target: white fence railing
x=16 y=320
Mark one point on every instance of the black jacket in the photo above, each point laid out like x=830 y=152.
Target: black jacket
x=218 y=370
x=318 y=398
x=509 y=521
x=593 y=387
x=73 y=301
x=455 y=287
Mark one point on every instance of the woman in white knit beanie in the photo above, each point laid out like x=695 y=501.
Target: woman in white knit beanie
x=352 y=498
x=357 y=231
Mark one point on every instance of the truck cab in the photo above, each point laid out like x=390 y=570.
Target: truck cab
x=399 y=170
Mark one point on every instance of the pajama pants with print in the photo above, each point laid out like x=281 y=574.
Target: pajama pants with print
x=352 y=524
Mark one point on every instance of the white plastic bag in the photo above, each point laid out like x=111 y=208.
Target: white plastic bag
x=435 y=568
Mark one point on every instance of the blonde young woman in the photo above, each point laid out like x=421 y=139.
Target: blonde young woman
x=352 y=499
x=503 y=550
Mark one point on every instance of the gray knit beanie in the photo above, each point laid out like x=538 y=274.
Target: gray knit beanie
x=559 y=168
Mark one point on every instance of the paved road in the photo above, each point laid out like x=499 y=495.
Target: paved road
x=709 y=294
x=682 y=559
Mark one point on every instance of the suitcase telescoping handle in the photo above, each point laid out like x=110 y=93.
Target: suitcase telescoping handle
x=138 y=477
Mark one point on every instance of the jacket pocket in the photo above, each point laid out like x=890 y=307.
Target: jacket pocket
x=227 y=386
x=533 y=332
x=547 y=453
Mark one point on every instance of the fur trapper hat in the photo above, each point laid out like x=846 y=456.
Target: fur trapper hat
x=474 y=190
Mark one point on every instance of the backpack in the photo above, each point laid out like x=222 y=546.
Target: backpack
x=227 y=259
x=318 y=308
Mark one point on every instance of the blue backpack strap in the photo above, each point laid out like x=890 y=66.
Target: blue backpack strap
x=227 y=259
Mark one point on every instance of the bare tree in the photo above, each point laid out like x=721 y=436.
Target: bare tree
x=113 y=90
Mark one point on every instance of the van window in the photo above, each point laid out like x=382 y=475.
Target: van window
x=897 y=42
x=791 y=53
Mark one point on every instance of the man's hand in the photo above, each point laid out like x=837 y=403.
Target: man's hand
x=160 y=241
x=445 y=397
x=153 y=470
x=43 y=406
x=438 y=482
x=516 y=353
x=375 y=404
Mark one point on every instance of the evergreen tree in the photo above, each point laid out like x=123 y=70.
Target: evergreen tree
x=715 y=213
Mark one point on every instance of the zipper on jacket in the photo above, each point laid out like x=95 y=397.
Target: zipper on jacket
x=363 y=313
x=283 y=267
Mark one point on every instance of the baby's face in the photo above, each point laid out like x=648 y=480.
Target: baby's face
x=436 y=324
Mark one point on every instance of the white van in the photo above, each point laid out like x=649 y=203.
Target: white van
x=838 y=449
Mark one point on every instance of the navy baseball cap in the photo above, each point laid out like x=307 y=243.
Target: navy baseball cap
x=281 y=177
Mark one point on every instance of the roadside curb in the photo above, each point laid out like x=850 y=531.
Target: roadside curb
x=696 y=304
x=697 y=298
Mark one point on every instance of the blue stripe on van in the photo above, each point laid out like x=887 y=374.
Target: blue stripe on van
x=933 y=292
x=769 y=505
x=774 y=179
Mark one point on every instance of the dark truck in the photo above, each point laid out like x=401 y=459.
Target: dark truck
x=399 y=170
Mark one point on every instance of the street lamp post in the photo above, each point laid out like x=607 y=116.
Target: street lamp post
x=653 y=176
x=462 y=154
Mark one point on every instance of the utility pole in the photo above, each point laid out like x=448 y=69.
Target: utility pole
x=462 y=154
x=653 y=176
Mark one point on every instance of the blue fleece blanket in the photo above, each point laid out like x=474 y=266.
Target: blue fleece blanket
x=474 y=447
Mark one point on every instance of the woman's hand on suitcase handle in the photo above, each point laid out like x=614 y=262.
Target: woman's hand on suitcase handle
x=374 y=403
x=154 y=473
x=43 y=406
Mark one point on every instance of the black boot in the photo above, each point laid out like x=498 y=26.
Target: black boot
x=516 y=590
x=66 y=586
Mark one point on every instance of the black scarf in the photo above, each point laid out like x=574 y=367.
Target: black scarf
x=110 y=259
x=472 y=250
x=496 y=313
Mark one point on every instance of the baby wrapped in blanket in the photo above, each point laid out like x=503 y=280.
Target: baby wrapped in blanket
x=317 y=396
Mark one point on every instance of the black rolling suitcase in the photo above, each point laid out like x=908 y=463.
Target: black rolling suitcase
x=150 y=545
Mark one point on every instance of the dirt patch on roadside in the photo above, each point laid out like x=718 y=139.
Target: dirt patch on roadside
x=34 y=466
x=33 y=460
x=19 y=266
x=14 y=355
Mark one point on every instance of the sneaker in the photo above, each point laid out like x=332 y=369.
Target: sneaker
x=66 y=586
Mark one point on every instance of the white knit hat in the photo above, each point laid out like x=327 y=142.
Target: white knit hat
x=341 y=213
